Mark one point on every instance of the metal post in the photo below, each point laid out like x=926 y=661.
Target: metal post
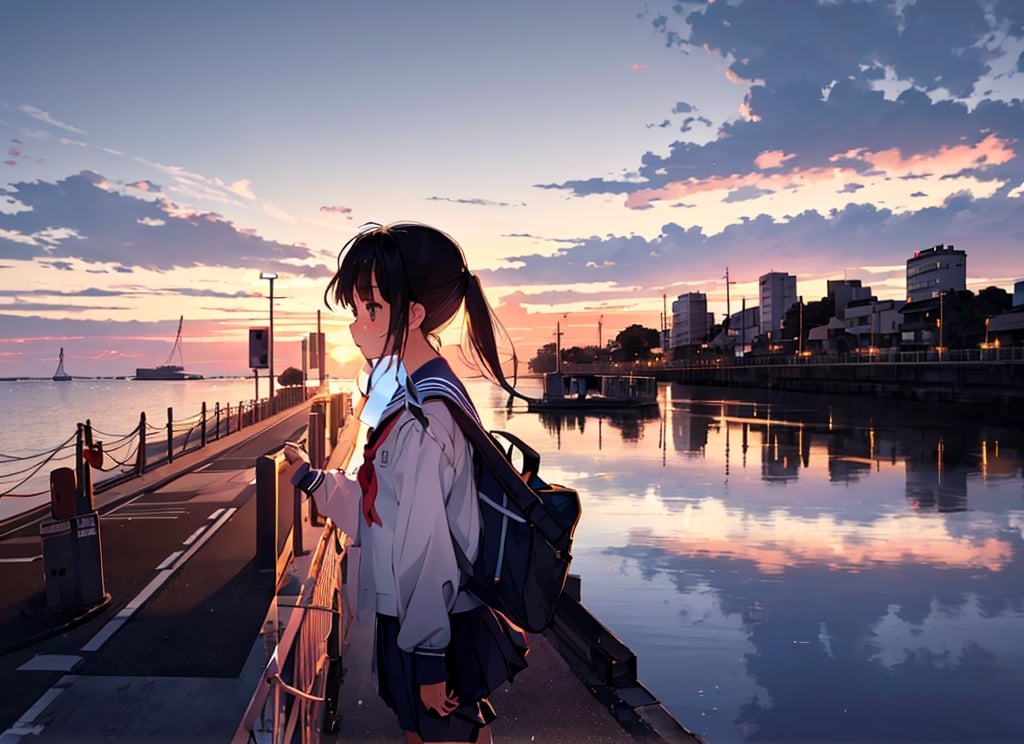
x=216 y=416
x=317 y=455
x=270 y=277
x=170 y=434
x=140 y=456
x=266 y=514
x=202 y=425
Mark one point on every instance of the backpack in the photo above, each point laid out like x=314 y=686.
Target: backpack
x=526 y=528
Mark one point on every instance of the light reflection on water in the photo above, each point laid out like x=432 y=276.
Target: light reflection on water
x=803 y=568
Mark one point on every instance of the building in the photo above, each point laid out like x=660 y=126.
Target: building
x=689 y=319
x=777 y=294
x=875 y=324
x=743 y=327
x=932 y=272
x=1018 y=293
x=845 y=291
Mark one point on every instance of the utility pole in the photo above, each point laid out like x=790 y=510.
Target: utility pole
x=728 y=310
x=800 y=328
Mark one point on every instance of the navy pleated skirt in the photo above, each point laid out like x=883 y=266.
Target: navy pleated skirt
x=486 y=650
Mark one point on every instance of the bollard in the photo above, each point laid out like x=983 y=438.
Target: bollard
x=140 y=456
x=266 y=514
x=170 y=434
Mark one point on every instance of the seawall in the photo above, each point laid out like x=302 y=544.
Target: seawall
x=992 y=384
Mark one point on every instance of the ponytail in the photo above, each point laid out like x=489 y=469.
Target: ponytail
x=481 y=327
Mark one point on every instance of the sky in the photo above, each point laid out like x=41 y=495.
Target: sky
x=594 y=158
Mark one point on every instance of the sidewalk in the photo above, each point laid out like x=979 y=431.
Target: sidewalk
x=179 y=649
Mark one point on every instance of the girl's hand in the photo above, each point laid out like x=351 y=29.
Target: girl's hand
x=436 y=697
x=294 y=453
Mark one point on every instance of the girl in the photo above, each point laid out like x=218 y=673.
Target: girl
x=439 y=651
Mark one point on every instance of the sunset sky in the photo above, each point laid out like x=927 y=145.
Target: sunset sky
x=591 y=156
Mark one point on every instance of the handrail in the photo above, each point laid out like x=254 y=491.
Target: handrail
x=296 y=704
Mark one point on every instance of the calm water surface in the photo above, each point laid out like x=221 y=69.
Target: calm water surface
x=804 y=568
x=785 y=568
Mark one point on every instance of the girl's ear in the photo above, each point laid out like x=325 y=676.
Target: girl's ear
x=417 y=314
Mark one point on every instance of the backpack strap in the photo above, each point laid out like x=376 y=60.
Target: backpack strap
x=498 y=465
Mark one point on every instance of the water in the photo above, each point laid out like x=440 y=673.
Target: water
x=39 y=416
x=786 y=569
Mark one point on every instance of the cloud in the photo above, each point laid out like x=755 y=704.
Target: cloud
x=44 y=117
x=338 y=210
x=144 y=185
x=475 y=202
x=84 y=218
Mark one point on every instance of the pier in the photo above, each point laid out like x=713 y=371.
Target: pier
x=217 y=620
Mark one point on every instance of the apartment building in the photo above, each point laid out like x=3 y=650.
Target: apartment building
x=875 y=324
x=846 y=291
x=689 y=319
x=938 y=269
x=777 y=293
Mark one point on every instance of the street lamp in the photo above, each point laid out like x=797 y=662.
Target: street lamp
x=270 y=276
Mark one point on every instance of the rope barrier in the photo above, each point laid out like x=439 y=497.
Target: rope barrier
x=186 y=426
x=20 y=458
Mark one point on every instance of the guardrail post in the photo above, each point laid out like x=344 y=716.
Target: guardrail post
x=170 y=434
x=297 y=547
x=336 y=418
x=202 y=425
x=216 y=418
x=266 y=514
x=317 y=456
x=140 y=456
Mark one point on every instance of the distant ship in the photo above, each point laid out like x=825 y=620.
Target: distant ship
x=168 y=371
x=60 y=375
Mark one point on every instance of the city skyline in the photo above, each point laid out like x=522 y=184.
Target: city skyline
x=590 y=158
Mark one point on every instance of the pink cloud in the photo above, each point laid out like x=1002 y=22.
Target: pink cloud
x=638 y=67
x=336 y=209
x=771 y=159
x=990 y=151
x=944 y=161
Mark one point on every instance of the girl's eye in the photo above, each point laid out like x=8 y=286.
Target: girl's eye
x=372 y=308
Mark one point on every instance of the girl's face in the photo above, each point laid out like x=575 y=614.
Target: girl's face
x=370 y=327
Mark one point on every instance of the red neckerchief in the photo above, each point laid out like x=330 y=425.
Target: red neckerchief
x=366 y=475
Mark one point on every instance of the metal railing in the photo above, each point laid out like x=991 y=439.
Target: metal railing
x=293 y=702
x=296 y=698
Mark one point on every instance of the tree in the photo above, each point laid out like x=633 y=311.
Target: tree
x=636 y=342
x=290 y=376
x=544 y=360
x=816 y=313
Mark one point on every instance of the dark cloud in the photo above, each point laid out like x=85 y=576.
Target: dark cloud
x=80 y=218
x=857 y=235
x=746 y=193
x=790 y=52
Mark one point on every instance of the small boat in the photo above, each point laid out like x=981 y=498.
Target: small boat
x=60 y=375
x=168 y=371
x=582 y=392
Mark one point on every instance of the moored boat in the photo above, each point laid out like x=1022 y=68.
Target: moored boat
x=168 y=371
x=165 y=372
x=581 y=392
